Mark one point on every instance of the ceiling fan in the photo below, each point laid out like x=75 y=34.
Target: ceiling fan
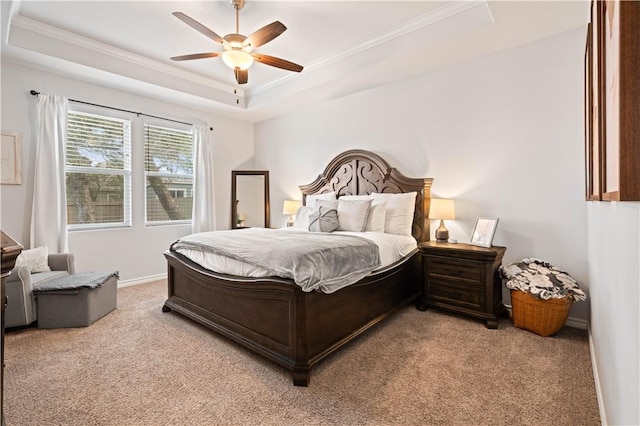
x=238 y=51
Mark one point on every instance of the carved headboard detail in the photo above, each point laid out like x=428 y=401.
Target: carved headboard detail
x=360 y=172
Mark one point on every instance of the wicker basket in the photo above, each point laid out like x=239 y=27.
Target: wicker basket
x=543 y=317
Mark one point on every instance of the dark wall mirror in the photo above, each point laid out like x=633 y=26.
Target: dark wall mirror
x=249 y=199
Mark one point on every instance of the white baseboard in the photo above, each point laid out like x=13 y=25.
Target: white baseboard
x=596 y=379
x=127 y=283
x=571 y=321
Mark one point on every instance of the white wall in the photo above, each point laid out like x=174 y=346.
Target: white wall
x=502 y=135
x=137 y=251
x=614 y=275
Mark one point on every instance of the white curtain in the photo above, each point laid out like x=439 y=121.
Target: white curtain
x=49 y=213
x=204 y=211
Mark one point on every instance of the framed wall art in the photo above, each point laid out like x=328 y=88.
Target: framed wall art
x=592 y=139
x=11 y=158
x=612 y=91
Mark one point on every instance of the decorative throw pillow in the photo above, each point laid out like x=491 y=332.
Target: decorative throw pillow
x=399 y=212
x=35 y=259
x=352 y=214
x=323 y=219
x=311 y=200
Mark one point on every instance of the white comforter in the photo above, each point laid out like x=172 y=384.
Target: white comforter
x=391 y=248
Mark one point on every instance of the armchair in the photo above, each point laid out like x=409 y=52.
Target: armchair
x=21 y=306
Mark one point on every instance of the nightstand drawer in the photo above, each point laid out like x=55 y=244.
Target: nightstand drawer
x=456 y=269
x=455 y=293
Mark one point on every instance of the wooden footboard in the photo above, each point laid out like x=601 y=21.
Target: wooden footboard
x=276 y=319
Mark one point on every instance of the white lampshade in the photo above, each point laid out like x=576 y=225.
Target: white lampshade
x=290 y=207
x=442 y=209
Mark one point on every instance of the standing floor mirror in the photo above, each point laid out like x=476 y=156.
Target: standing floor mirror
x=249 y=199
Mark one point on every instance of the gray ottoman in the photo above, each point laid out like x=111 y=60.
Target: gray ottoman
x=78 y=300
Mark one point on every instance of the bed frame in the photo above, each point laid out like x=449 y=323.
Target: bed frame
x=273 y=317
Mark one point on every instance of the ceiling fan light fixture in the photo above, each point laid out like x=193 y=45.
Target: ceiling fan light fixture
x=238 y=49
x=237 y=59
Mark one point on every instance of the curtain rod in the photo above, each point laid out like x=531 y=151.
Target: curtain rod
x=36 y=93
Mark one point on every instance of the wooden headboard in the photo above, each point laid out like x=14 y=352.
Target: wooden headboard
x=360 y=172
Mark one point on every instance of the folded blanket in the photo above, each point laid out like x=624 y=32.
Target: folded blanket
x=541 y=279
x=76 y=281
x=314 y=260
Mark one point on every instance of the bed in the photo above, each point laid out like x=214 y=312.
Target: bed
x=273 y=316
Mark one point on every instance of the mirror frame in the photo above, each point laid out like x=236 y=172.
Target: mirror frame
x=234 y=212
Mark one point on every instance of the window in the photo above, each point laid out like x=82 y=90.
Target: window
x=98 y=170
x=169 y=174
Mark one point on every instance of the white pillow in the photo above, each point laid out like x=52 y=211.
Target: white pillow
x=399 y=212
x=355 y=197
x=302 y=218
x=377 y=212
x=312 y=199
x=377 y=215
x=36 y=259
x=352 y=214
x=330 y=204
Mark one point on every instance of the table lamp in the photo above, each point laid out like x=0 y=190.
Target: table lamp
x=442 y=209
x=290 y=208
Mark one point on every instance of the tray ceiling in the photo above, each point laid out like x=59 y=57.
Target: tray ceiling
x=344 y=46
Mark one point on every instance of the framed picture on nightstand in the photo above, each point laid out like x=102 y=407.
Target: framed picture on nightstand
x=483 y=231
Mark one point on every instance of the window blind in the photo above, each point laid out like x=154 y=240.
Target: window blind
x=169 y=172
x=98 y=170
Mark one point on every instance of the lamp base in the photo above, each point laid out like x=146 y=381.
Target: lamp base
x=442 y=233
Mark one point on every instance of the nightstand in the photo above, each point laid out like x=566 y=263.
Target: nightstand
x=463 y=278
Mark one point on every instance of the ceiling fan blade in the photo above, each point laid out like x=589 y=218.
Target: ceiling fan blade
x=196 y=56
x=264 y=35
x=277 y=62
x=198 y=27
x=242 y=76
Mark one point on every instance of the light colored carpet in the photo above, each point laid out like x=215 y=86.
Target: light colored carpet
x=140 y=366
